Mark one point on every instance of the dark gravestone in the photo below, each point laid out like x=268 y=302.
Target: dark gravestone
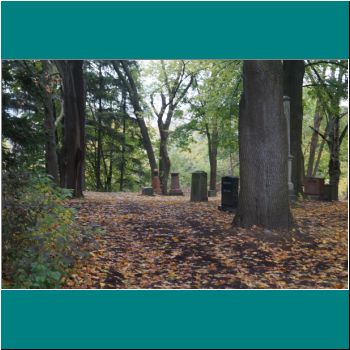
x=199 y=187
x=147 y=191
x=229 y=192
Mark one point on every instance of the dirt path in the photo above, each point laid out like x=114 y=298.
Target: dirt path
x=169 y=242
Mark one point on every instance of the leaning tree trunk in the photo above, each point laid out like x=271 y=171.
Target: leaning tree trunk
x=314 y=139
x=263 y=148
x=130 y=86
x=71 y=72
x=293 y=73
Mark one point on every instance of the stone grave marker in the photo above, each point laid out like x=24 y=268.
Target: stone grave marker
x=199 y=187
x=147 y=191
x=156 y=182
x=175 y=189
x=229 y=192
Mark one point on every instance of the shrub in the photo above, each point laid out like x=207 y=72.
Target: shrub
x=40 y=240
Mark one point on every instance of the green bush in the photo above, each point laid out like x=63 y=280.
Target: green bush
x=40 y=240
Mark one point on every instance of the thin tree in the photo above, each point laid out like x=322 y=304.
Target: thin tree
x=174 y=92
x=125 y=75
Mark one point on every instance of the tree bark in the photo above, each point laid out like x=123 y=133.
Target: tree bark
x=71 y=72
x=263 y=148
x=293 y=74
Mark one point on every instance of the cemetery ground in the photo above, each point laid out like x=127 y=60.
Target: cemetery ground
x=170 y=242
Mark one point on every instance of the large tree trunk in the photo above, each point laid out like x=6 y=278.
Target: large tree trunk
x=314 y=139
x=293 y=73
x=263 y=148
x=71 y=72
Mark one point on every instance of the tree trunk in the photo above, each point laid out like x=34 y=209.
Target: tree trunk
x=71 y=72
x=263 y=148
x=122 y=161
x=334 y=161
x=317 y=164
x=293 y=74
x=49 y=126
x=110 y=173
x=212 y=152
x=99 y=135
x=314 y=139
x=164 y=161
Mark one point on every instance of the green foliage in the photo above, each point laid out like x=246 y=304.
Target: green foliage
x=39 y=237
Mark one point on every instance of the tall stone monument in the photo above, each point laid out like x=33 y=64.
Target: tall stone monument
x=286 y=107
x=156 y=182
x=175 y=189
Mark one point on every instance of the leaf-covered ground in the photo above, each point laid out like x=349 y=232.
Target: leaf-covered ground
x=169 y=242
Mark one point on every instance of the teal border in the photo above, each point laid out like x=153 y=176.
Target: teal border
x=153 y=30
x=175 y=319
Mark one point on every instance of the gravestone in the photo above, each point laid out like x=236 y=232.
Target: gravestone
x=229 y=192
x=156 y=182
x=314 y=187
x=199 y=187
x=175 y=189
x=147 y=191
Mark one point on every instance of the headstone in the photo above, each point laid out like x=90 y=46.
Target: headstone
x=212 y=193
x=286 y=107
x=147 y=191
x=156 y=182
x=175 y=189
x=314 y=186
x=199 y=187
x=327 y=196
x=229 y=192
